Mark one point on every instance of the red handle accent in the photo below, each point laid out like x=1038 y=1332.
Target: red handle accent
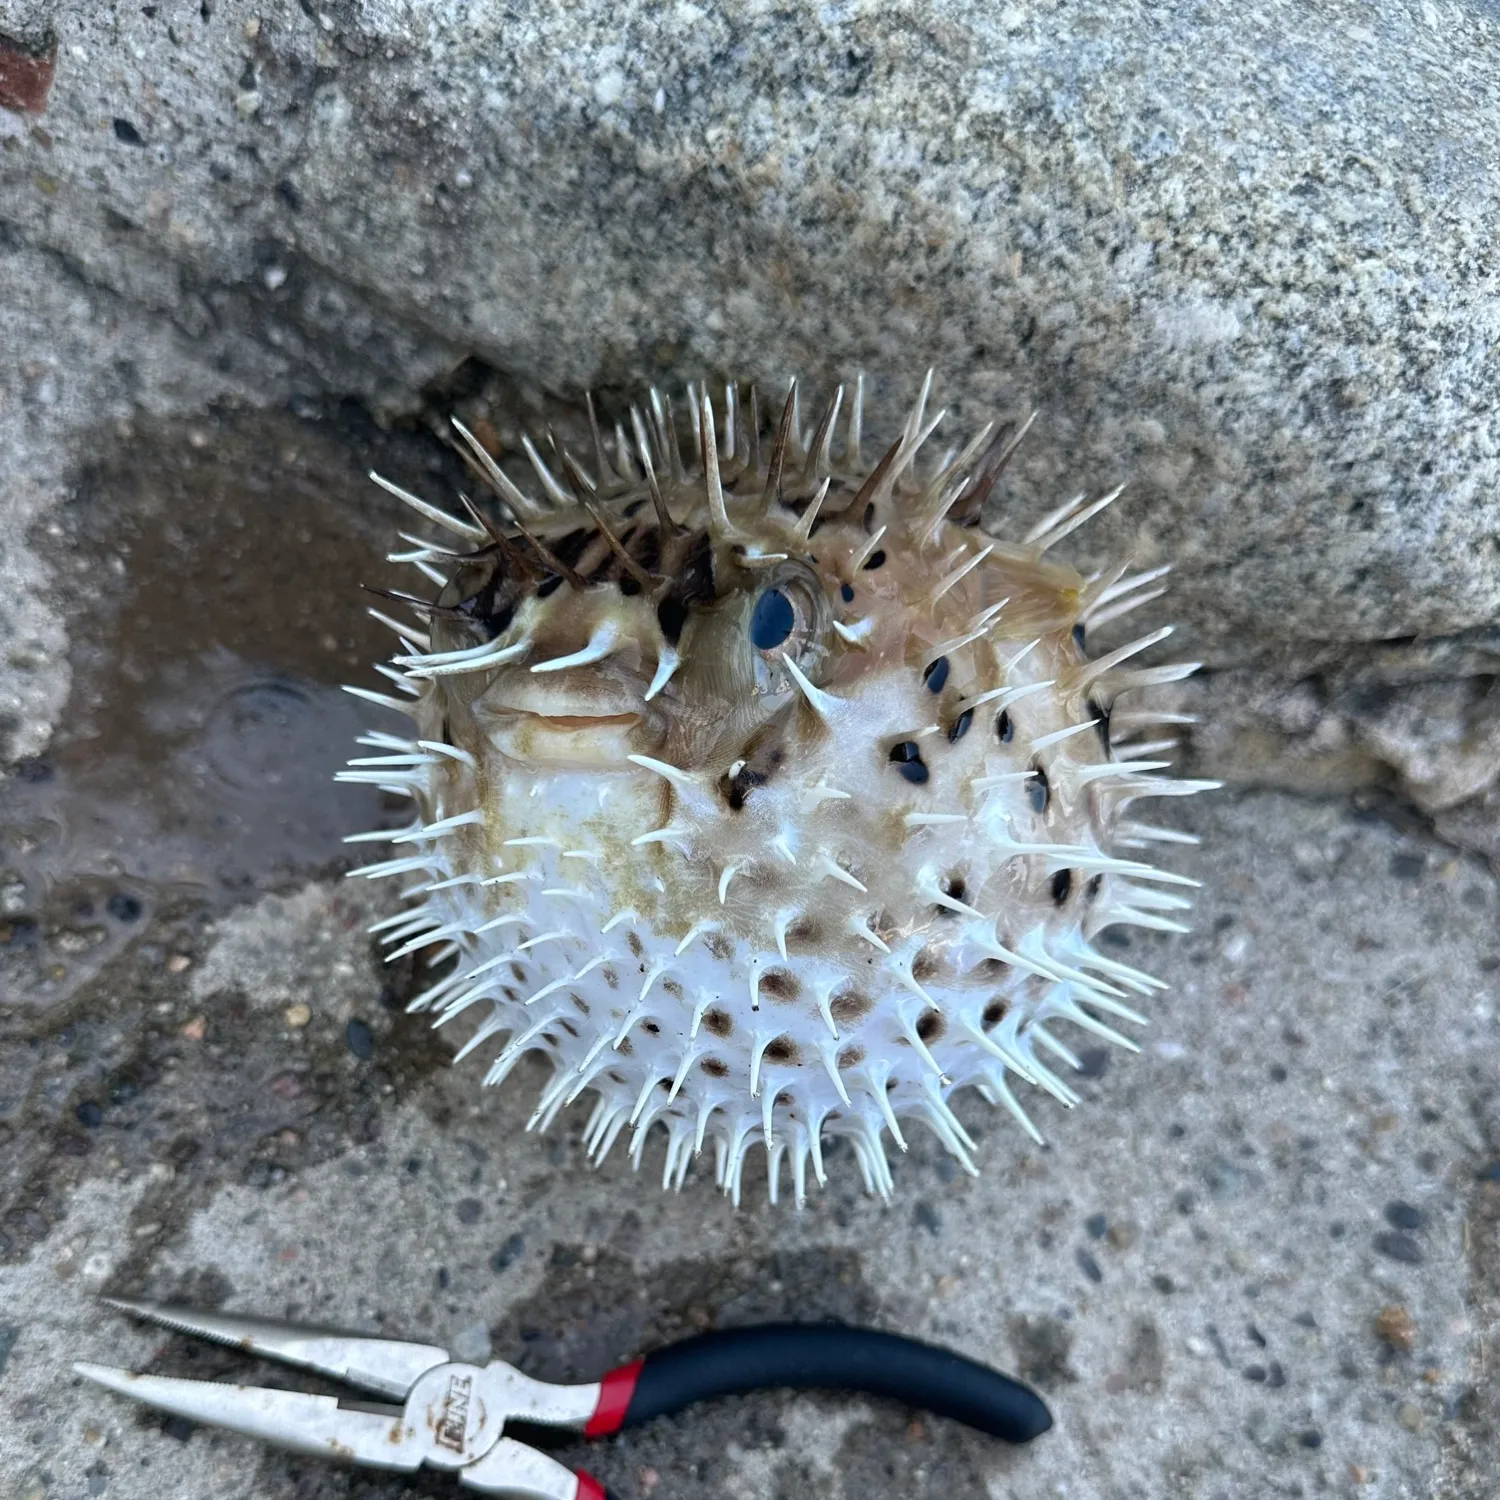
x=615 y=1391
x=589 y=1488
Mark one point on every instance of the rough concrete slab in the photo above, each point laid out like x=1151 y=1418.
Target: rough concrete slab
x=1239 y=257
x=247 y=251
x=1250 y=1263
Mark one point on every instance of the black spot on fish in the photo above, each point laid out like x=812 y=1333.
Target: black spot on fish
x=935 y=674
x=1039 y=790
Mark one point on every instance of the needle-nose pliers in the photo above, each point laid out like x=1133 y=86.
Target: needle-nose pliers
x=453 y=1415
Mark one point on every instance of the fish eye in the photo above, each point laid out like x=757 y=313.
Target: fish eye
x=772 y=620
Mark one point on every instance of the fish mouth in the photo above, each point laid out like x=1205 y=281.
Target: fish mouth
x=566 y=741
x=573 y=723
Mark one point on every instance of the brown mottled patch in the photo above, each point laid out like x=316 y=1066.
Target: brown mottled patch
x=851 y=1057
x=614 y=1077
x=610 y=976
x=514 y=996
x=803 y=930
x=580 y=1002
x=519 y=973
x=26 y=75
x=625 y=1048
x=784 y=1097
x=994 y=1013
x=782 y=1050
x=992 y=969
x=849 y=1005
x=926 y=964
x=635 y=944
x=931 y=1025
x=651 y=1028
x=568 y=1026
x=714 y=1068
x=673 y=988
x=780 y=984
x=719 y=945
x=720 y=1022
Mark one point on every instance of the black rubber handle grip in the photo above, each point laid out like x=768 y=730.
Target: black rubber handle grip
x=832 y=1357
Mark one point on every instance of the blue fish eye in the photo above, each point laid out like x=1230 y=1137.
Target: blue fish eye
x=772 y=620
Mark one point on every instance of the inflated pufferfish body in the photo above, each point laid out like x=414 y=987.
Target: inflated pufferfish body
x=765 y=794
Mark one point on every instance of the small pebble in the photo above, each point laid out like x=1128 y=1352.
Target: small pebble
x=194 y=1030
x=1312 y=1438
x=1394 y=1325
x=297 y=1016
x=361 y=1039
x=1401 y=1215
x=1400 y=1247
x=507 y=1255
x=469 y=1210
x=1411 y=1417
x=123 y=908
x=1097 y=1226
x=179 y=963
x=89 y=1114
x=1088 y=1265
x=471 y=1344
x=925 y=1216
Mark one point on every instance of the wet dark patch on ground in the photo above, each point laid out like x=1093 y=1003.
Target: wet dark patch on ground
x=213 y=573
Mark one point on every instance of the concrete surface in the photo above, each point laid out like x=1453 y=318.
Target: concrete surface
x=1240 y=255
x=1197 y=1271
x=1242 y=259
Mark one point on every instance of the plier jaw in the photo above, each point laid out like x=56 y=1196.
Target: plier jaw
x=453 y=1415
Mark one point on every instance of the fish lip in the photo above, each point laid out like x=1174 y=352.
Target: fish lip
x=569 y=721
